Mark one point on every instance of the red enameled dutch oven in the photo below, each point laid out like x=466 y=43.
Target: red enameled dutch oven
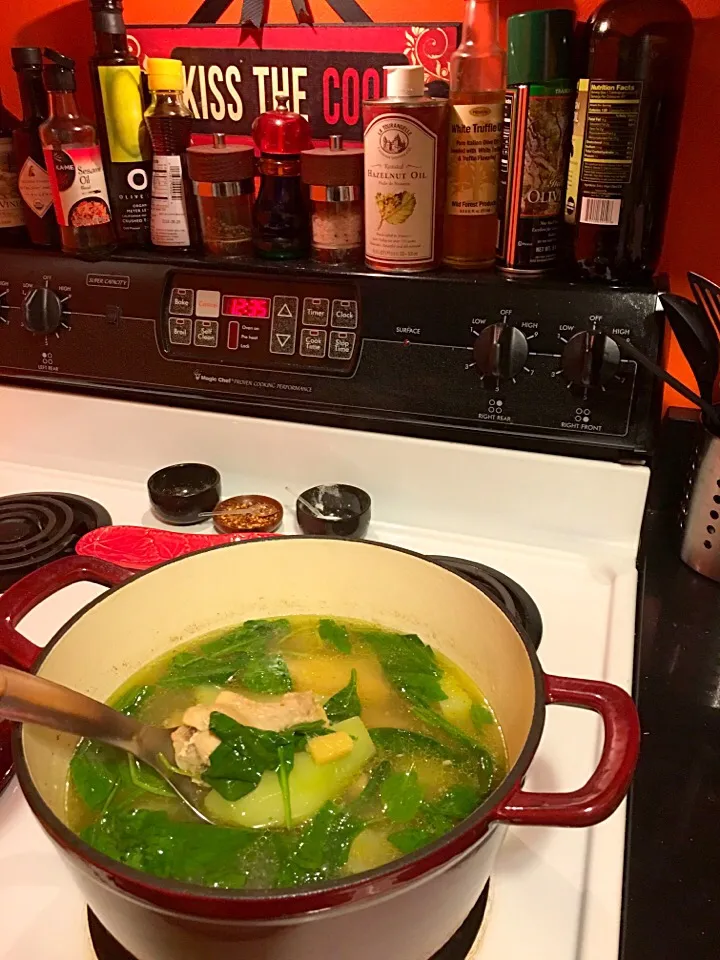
x=406 y=910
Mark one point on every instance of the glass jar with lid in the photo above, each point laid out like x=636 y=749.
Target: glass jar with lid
x=334 y=176
x=224 y=186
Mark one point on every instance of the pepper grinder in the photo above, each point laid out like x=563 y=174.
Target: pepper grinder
x=334 y=176
x=281 y=214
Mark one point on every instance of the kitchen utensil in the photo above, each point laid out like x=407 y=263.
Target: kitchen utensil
x=138 y=548
x=697 y=338
x=334 y=510
x=707 y=295
x=701 y=510
x=29 y=699
x=406 y=909
x=181 y=492
x=709 y=411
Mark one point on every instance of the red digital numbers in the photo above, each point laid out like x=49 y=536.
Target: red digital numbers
x=256 y=308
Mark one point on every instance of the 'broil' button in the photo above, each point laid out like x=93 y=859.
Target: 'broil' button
x=312 y=343
x=341 y=345
x=345 y=314
x=180 y=331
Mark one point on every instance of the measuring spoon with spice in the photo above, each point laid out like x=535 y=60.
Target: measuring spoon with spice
x=334 y=176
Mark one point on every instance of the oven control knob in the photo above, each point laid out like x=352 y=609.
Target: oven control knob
x=42 y=310
x=500 y=351
x=590 y=359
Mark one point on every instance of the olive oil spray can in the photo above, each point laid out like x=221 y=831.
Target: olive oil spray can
x=536 y=140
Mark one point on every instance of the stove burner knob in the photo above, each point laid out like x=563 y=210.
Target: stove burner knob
x=42 y=311
x=590 y=359
x=500 y=351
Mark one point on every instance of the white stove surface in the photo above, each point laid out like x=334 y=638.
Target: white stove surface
x=566 y=530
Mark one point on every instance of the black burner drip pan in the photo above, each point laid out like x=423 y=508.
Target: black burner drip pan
x=458 y=946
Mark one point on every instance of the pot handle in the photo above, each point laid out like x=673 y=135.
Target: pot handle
x=21 y=597
x=606 y=788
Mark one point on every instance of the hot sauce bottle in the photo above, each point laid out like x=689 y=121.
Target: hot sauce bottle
x=405 y=160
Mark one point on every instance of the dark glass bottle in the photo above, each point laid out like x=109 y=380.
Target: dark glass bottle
x=281 y=213
x=74 y=164
x=33 y=182
x=627 y=122
x=12 y=219
x=119 y=108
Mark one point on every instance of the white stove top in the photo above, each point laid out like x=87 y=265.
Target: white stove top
x=566 y=530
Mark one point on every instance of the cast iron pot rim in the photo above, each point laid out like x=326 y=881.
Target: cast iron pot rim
x=175 y=895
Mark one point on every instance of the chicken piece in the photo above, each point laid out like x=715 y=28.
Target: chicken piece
x=194 y=742
x=193 y=749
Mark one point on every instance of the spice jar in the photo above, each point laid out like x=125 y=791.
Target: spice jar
x=223 y=182
x=334 y=176
x=281 y=214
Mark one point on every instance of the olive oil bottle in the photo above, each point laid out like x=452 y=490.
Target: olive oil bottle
x=119 y=107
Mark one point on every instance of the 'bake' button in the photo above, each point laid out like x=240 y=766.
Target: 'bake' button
x=180 y=331
x=207 y=303
x=316 y=311
x=181 y=301
x=312 y=343
x=341 y=345
x=345 y=314
x=207 y=333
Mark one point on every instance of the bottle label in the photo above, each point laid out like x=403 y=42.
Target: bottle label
x=603 y=150
x=532 y=174
x=129 y=171
x=11 y=210
x=35 y=189
x=78 y=186
x=169 y=225
x=400 y=184
x=474 y=158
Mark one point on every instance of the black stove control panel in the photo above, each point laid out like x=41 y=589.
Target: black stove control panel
x=259 y=322
x=476 y=358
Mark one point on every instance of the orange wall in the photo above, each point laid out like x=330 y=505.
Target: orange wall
x=693 y=236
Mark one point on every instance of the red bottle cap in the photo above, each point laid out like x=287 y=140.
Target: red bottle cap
x=282 y=132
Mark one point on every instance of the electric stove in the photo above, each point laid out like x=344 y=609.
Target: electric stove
x=565 y=530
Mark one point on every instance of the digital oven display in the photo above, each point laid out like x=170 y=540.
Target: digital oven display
x=256 y=307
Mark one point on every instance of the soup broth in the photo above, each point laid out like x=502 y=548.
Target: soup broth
x=320 y=749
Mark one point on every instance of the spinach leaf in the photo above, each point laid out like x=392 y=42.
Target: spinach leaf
x=369 y=804
x=433 y=820
x=94 y=771
x=409 y=664
x=321 y=849
x=267 y=674
x=336 y=635
x=345 y=703
x=469 y=744
x=132 y=701
x=398 y=741
x=245 y=753
x=240 y=654
x=145 y=778
x=459 y=801
x=402 y=795
x=286 y=761
x=480 y=716
x=192 y=852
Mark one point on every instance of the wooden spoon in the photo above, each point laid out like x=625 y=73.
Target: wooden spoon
x=31 y=699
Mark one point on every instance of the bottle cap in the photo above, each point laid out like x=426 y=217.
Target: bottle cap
x=333 y=166
x=220 y=162
x=404 y=81
x=59 y=74
x=280 y=131
x=26 y=57
x=540 y=46
x=164 y=74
